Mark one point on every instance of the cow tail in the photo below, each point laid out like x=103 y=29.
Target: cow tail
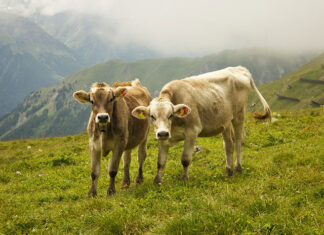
x=266 y=107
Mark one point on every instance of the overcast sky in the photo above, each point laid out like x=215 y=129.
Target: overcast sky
x=175 y=27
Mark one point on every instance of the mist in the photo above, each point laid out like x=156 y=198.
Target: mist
x=197 y=27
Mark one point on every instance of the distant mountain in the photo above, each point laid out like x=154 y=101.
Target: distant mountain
x=54 y=112
x=29 y=59
x=90 y=38
x=301 y=89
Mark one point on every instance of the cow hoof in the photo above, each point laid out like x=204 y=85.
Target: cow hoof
x=157 y=180
x=228 y=171
x=92 y=193
x=124 y=186
x=238 y=169
x=185 y=178
x=111 y=191
x=139 y=179
x=126 y=182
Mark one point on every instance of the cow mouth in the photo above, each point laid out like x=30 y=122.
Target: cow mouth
x=102 y=127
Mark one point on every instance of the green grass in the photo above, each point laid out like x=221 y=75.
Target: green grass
x=281 y=188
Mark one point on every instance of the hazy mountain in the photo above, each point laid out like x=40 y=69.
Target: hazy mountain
x=90 y=37
x=29 y=59
x=53 y=111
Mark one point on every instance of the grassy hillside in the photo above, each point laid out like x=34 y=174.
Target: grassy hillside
x=44 y=184
x=291 y=86
x=53 y=112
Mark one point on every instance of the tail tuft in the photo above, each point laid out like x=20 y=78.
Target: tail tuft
x=261 y=116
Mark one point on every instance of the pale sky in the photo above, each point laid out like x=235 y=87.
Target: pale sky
x=177 y=27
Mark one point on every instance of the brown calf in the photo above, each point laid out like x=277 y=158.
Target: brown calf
x=111 y=127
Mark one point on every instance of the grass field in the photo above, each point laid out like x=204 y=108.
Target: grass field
x=44 y=185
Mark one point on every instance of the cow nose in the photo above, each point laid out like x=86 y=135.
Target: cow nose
x=163 y=134
x=103 y=117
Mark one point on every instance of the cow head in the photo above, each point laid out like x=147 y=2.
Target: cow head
x=162 y=113
x=102 y=98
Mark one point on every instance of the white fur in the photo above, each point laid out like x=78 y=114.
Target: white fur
x=217 y=101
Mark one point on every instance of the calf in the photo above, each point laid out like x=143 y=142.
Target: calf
x=111 y=127
x=203 y=105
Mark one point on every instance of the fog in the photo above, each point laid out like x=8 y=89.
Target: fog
x=191 y=27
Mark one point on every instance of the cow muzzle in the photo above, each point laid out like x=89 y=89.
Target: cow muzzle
x=102 y=119
x=163 y=135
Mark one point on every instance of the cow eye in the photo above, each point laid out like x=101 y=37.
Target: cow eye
x=171 y=116
x=112 y=99
x=152 y=117
x=91 y=101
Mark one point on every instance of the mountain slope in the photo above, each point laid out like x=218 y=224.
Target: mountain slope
x=52 y=111
x=292 y=87
x=29 y=59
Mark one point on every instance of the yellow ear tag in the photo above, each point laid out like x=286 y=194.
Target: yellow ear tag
x=82 y=100
x=181 y=112
x=141 y=115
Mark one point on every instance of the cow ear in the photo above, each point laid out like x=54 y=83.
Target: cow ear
x=120 y=92
x=81 y=96
x=181 y=110
x=141 y=112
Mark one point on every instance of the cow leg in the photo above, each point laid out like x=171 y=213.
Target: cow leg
x=113 y=167
x=95 y=153
x=186 y=156
x=229 y=149
x=126 y=161
x=141 y=156
x=239 y=139
x=162 y=157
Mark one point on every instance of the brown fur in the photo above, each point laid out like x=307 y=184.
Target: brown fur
x=121 y=134
x=118 y=84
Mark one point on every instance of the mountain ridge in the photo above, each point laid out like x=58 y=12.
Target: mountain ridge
x=54 y=112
